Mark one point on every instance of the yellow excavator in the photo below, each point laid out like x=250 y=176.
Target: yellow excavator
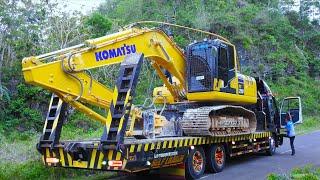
x=203 y=93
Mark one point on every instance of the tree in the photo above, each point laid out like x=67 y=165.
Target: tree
x=97 y=24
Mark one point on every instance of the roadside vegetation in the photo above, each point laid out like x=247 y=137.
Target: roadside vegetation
x=34 y=169
x=20 y=160
x=281 y=47
x=308 y=172
x=309 y=124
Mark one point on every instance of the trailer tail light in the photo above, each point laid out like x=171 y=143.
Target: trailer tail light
x=115 y=163
x=52 y=160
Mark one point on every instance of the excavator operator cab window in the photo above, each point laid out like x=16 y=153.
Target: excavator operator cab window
x=201 y=66
x=207 y=60
x=223 y=66
x=226 y=67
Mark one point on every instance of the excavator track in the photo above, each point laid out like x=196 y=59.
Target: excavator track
x=218 y=121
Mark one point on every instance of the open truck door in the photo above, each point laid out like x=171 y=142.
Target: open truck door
x=293 y=106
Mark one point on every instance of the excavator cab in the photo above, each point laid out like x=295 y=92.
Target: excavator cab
x=209 y=61
x=212 y=70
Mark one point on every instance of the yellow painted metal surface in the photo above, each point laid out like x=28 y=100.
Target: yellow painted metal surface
x=66 y=75
x=249 y=96
x=154 y=44
x=80 y=164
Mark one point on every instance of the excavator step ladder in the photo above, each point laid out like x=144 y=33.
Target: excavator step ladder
x=54 y=121
x=120 y=107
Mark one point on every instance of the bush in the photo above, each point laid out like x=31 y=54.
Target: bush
x=98 y=24
x=23 y=112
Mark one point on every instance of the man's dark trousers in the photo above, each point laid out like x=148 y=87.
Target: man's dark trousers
x=292 y=146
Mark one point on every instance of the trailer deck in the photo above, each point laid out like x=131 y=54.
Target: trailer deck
x=137 y=155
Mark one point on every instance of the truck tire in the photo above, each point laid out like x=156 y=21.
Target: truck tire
x=272 y=146
x=195 y=163
x=216 y=158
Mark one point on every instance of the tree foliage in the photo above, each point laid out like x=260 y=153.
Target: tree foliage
x=30 y=28
x=97 y=24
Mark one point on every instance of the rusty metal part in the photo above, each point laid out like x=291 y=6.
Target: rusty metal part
x=218 y=121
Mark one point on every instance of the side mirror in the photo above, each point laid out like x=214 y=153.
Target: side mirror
x=291 y=105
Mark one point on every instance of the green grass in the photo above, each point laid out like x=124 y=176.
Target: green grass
x=308 y=172
x=36 y=170
x=309 y=124
x=19 y=159
x=15 y=150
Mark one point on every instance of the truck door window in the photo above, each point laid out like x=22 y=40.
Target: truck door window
x=292 y=106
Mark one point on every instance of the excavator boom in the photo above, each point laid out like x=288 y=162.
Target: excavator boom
x=67 y=74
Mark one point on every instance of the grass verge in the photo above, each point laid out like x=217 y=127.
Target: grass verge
x=308 y=172
x=309 y=124
x=19 y=158
x=36 y=170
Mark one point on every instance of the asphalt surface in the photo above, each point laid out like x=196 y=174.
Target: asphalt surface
x=258 y=166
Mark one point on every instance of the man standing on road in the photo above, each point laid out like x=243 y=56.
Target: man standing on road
x=290 y=132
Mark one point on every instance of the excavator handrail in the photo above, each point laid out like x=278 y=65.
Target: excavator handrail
x=179 y=26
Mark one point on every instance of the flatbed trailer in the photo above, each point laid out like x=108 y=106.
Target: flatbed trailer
x=141 y=155
x=187 y=156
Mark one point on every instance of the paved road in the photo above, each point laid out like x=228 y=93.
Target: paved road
x=258 y=166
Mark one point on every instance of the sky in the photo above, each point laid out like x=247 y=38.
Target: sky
x=85 y=6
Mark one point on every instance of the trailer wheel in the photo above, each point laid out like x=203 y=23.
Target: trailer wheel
x=195 y=163
x=216 y=158
x=272 y=146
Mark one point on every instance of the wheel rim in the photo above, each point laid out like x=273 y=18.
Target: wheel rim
x=197 y=162
x=219 y=156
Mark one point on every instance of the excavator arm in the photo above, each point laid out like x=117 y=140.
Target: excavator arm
x=66 y=72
